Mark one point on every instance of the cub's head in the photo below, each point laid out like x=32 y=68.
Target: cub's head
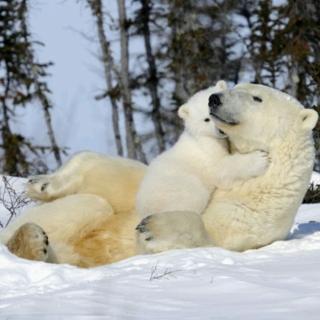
x=253 y=116
x=195 y=113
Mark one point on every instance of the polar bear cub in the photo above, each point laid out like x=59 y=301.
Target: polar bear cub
x=184 y=177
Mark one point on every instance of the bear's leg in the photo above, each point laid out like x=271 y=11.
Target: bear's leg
x=66 y=180
x=32 y=243
x=109 y=241
x=171 y=230
x=82 y=229
x=52 y=186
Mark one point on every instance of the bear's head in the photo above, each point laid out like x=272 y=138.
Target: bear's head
x=255 y=116
x=195 y=113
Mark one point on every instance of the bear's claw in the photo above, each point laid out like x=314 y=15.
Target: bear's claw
x=44 y=186
x=171 y=230
x=30 y=242
x=142 y=226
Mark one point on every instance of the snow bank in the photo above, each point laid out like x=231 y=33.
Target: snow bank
x=315 y=178
x=280 y=281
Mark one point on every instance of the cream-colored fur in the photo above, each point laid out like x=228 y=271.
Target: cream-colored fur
x=82 y=230
x=184 y=177
x=92 y=222
x=88 y=214
x=259 y=211
x=31 y=242
x=115 y=179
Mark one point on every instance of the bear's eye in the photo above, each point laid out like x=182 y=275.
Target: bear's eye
x=258 y=99
x=206 y=119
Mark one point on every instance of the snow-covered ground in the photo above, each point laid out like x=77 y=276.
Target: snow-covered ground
x=280 y=281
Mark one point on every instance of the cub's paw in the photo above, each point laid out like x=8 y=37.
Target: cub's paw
x=30 y=242
x=171 y=230
x=258 y=163
x=43 y=187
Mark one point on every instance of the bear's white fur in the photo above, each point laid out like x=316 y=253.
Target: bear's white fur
x=89 y=215
x=184 y=177
x=92 y=173
x=88 y=209
x=259 y=211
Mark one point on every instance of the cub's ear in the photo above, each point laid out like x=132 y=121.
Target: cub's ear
x=183 y=112
x=309 y=118
x=221 y=85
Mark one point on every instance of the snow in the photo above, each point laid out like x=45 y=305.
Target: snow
x=315 y=178
x=279 y=281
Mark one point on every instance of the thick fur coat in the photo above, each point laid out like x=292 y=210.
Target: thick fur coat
x=88 y=215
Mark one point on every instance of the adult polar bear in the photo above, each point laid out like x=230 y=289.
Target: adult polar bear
x=259 y=211
x=85 y=232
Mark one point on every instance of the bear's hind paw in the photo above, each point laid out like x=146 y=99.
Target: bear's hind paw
x=43 y=187
x=171 y=230
x=30 y=242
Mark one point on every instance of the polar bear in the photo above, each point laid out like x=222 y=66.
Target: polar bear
x=196 y=165
x=87 y=215
x=78 y=225
x=258 y=211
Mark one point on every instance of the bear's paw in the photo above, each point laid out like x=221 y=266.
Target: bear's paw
x=171 y=230
x=30 y=242
x=44 y=187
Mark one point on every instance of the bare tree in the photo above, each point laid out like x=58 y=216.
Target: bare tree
x=46 y=106
x=134 y=147
x=108 y=64
x=11 y=199
x=41 y=89
x=153 y=80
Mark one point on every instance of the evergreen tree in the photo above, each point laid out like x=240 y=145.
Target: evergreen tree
x=21 y=82
x=200 y=45
x=193 y=46
x=142 y=23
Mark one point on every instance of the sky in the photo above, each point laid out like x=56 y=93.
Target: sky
x=67 y=30
x=80 y=122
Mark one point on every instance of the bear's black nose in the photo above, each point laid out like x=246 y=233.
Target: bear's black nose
x=214 y=101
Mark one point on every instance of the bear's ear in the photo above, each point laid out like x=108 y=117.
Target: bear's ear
x=183 y=112
x=221 y=85
x=309 y=118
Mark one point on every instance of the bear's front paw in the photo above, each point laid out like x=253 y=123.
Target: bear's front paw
x=42 y=187
x=171 y=230
x=258 y=163
x=30 y=242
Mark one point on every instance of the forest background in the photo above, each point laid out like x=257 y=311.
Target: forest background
x=146 y=58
